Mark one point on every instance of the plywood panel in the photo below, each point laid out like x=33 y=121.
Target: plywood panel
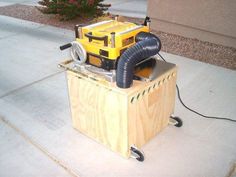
x=120 y=118
x=99 y=113
x=149 y=112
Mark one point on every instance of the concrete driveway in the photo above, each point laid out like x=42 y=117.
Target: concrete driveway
x=37 y=138
x=130 y=8
x=25 y=2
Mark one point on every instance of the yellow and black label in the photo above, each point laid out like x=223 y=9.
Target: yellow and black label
x=127 y=41
x=96 y=61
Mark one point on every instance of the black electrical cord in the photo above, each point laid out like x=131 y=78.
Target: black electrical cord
x=181 y=101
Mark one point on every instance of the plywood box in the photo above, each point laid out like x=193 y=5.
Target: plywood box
x=120 y=118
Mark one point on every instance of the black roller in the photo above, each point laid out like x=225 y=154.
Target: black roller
x=147 y=45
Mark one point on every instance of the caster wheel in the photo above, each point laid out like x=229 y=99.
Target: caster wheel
x=138 y=154
x=179 y=121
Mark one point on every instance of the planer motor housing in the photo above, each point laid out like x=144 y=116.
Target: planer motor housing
x=117 y=49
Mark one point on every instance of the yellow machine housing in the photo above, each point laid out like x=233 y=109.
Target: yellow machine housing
x=105 y=41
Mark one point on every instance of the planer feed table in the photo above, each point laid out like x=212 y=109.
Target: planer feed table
x=122 y=119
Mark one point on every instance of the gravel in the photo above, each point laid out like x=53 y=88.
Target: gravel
x=32 y=13
x=192 y=48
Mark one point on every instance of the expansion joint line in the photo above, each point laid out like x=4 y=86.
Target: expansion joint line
x=30 y=84
x=40 y=148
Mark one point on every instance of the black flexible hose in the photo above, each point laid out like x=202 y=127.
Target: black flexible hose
x=147 y=45
x=146 y=36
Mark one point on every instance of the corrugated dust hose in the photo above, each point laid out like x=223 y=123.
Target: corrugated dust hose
x=147 y=45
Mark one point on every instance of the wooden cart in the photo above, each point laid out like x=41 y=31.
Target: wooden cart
x=121 y=119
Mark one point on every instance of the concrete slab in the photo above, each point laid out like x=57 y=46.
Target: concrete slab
x=113 y=2
x=11 y=2
x=12 y=26
x=5 y=4
x=133 y=8
x=19 y=158
x=29 y=52
x=41 y=111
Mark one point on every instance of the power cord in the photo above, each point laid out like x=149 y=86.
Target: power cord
x=181 y=101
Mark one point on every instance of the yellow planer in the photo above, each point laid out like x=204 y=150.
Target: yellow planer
x=115 y=49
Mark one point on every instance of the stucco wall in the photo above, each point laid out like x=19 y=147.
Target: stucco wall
x=207 y=20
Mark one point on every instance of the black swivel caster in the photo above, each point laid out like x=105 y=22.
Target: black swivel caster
x=137 y=154
x=176 y=121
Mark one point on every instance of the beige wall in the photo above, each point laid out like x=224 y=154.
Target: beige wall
x=207 y=20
